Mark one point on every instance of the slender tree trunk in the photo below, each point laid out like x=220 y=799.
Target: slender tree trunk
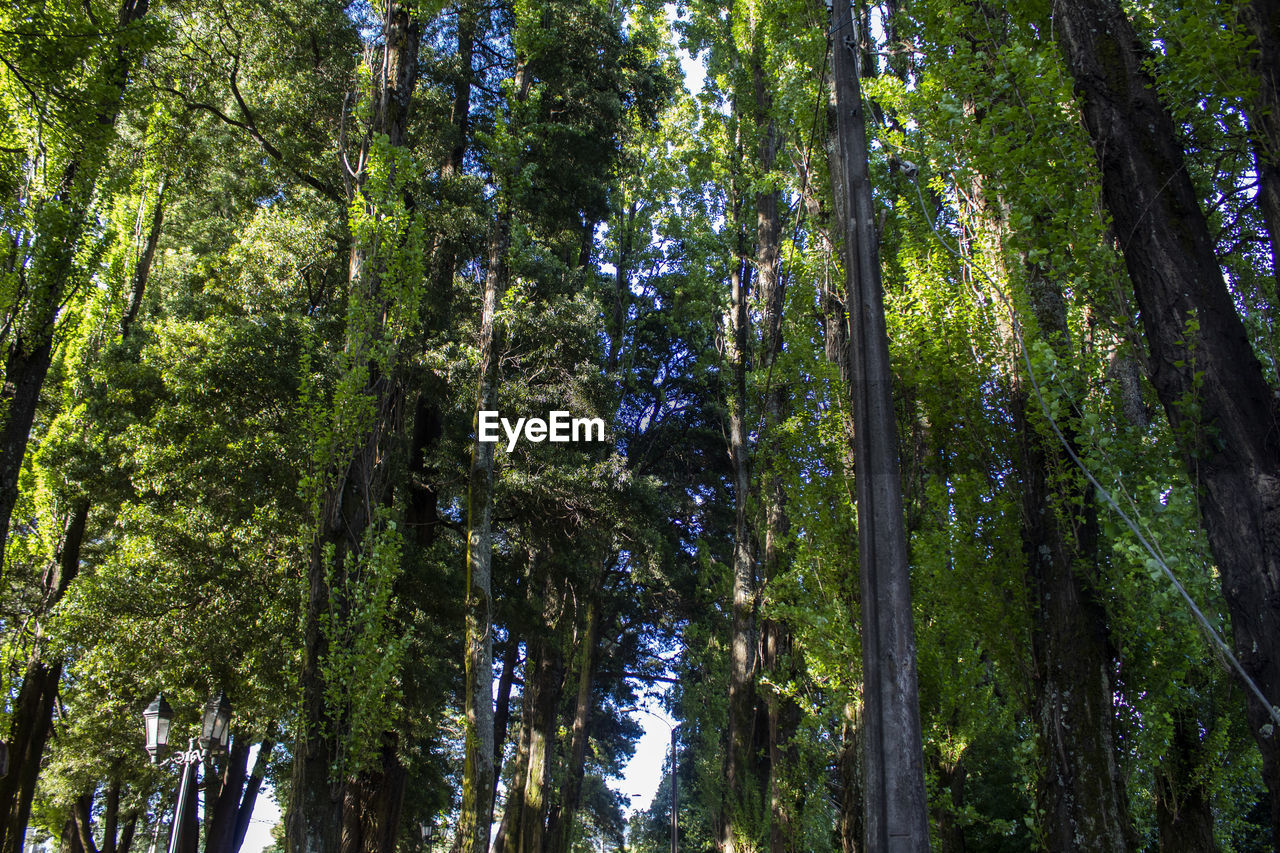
x=896 y=811
x=783 y=715
x=142 y=272
x=125 y=842
x=502 y=712
x=849 y=820
x=478 y=774
x=743 y=606
x=1199 y=350
x=250 y=797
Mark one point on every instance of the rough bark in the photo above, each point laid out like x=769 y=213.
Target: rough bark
x=508 y=832
x=1199 y=350
x=543 y=684
x=478 y=774
x=561 y=829
x=362 y=483
x=782 y=713
x=1081 y=793
x=849 y=822
x=896 y=811
x=743 y=606
x=1184 y=803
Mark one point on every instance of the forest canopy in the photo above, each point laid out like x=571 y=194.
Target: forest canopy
x=451 y=384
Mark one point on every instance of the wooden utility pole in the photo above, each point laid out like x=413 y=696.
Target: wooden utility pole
x=893 y=766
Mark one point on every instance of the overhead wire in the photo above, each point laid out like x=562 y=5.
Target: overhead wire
x=1102 y=491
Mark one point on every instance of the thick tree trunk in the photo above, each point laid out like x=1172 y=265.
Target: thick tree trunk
x=224 y=807
x=896 y=811
x=543 y=684
x=362 y=484
x=509 y=831
x=561 y=830
x=1081 y=792
x=31 y=721
x=1201 y=364
x=1184 y=804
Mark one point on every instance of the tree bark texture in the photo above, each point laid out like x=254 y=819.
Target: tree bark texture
x=560 y=832
x=1082 y=799
x=783 y=715
x=362 y=484
x=478 y=772
x=1184 y=804
x=1199 y=352
x=893 y=779
x=738 y=759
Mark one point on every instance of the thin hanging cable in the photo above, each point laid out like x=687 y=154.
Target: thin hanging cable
x=1212 y=632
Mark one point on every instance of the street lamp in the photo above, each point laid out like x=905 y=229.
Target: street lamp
x=675 y=777
x=214 y=731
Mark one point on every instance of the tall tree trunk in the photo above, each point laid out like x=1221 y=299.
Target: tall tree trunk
x=509 y=831
x=561 y=830
x=543 y=684
x=361 y=482
x=1199 y=350
x=783 y=715
x=738 y=759
x=142 y=272
x=31 y=721
x=896 y=812
x=1081 y=792
x=478 y=773
x=250 y=797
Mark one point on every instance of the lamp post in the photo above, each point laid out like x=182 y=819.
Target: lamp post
x=675 y=778
x=215 y=728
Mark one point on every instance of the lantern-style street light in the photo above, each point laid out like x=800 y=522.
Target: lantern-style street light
x=215 y=728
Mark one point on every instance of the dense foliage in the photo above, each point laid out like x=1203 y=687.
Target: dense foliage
x=264 y=264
